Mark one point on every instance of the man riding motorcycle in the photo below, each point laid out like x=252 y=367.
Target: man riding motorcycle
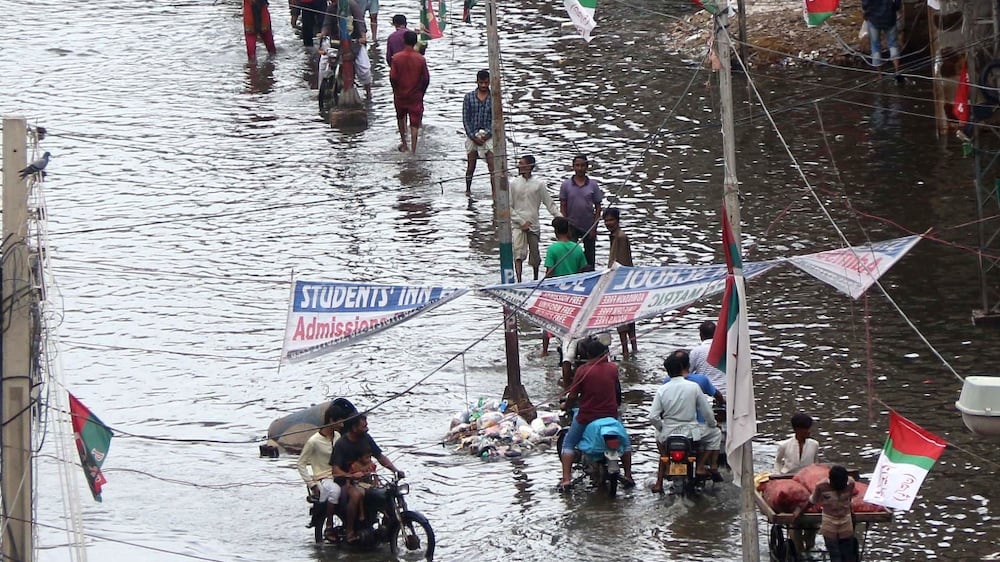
x=675 y=411
x=352 y=445
x=596 y=391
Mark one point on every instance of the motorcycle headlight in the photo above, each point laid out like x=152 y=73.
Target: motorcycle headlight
x=403 y=489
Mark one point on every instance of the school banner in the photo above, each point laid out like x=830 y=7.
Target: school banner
x=579 y=305
x=324 y=316
x=853 y=269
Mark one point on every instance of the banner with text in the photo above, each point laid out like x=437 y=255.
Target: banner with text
x=579 y=305
x=852 y=270
x=324 y=316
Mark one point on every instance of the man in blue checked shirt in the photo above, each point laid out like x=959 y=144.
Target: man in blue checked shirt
x=477 y=116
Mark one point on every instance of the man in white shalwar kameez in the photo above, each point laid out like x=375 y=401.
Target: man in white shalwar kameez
x=527 y=194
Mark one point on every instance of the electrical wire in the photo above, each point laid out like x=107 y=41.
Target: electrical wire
x=837 y=229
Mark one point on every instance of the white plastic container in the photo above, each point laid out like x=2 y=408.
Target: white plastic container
x=980 y=405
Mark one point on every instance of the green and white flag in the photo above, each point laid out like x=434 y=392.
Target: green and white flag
x=582 y=14
x=907 y=457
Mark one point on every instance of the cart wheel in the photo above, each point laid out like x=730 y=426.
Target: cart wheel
x=777 y=546
x=791 y=554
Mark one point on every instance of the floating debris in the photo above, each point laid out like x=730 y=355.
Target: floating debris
x=491 y=431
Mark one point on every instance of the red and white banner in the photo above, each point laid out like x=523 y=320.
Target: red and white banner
x=852 y=270
x=580 y=305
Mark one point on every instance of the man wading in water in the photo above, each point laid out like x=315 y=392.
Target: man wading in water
x=477 y=117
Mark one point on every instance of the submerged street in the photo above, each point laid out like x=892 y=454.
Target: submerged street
x=187 y=186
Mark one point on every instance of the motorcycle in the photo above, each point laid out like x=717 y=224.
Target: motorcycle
x=598 y=455
x=682 y=466
x=387 y=520
x=331 y=81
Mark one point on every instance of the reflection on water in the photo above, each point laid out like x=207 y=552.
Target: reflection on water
x=238 y=182
x=260 y=77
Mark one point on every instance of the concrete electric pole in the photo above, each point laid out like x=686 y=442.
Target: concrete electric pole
x=16 y=408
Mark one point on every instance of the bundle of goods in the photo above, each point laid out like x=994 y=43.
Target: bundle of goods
x=489 y=430
x=785 y=495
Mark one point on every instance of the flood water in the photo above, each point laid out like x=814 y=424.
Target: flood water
x=187 y=186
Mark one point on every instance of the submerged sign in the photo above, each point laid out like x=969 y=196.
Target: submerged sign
x=324 y=316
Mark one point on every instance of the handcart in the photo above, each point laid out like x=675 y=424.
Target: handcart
x=782 y=544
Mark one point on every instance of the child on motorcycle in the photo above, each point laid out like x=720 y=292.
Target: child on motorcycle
x=348 y=449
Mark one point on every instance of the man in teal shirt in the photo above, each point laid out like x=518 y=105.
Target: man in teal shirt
x=563 y=257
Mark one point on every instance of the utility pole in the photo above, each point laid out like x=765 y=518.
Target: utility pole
x=515 y=392
x=731 y=201
x=742 y=8
x=15 y=403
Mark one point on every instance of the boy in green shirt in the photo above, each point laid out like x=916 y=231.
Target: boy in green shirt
x=563 y=257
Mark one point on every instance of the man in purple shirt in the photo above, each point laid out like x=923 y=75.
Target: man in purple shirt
x=580 y=202
x=394 y=43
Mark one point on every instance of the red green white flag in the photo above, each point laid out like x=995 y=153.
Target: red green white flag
x=731 y=354
x=581 y=12
x=92 y=441
x=907 y=457
x=432 y=24
x=710 y=6
x=818 y=11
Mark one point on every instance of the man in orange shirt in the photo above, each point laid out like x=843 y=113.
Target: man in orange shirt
x=409 y=77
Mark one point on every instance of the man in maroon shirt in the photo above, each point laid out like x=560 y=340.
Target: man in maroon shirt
x=596 y=391
x=409 y=78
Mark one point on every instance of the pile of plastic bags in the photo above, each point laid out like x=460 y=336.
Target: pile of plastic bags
x=489 y=430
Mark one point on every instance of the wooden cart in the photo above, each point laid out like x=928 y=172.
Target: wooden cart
x=782 y=549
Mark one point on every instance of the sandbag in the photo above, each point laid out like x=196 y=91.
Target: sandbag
x=784 y=495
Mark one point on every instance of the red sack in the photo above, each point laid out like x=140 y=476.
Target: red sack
x=858 y=503
x=812 y=475
x=784 y=495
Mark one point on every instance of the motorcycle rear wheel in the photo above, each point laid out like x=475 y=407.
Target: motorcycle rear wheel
x=329 y=91
x=414 y=540
x=611 y=480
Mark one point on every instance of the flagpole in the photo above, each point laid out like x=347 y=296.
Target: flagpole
x=731 y=202
x=515 y=392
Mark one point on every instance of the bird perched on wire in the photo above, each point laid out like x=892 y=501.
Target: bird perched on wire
x=36 y=166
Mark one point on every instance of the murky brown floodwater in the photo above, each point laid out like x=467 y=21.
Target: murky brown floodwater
x=187 y=186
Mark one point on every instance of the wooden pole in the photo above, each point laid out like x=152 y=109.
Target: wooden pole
x=730 y=186
x=15 y=403
x=515 y=393
x=731 y=201
x=742 y=8
x=940 y=117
